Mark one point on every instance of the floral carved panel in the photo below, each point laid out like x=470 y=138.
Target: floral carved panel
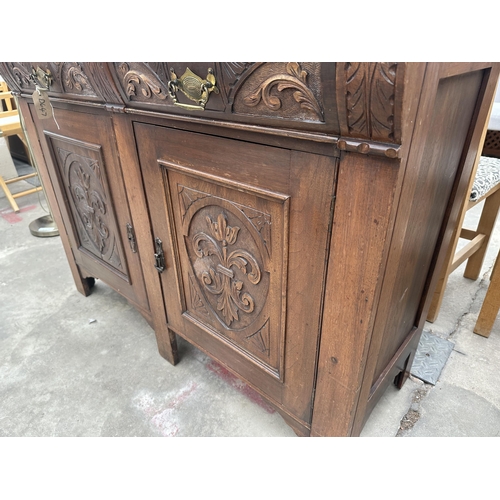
x=227 y=269
x=285 y=90
x=232 y=249
x=89 y=201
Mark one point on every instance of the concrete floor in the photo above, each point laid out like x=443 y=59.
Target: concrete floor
x=76 y=366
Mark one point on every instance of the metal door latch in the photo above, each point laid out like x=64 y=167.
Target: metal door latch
x=131 y=237
x=159 y=257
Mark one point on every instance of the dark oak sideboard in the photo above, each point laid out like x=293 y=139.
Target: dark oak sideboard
x=287 y=219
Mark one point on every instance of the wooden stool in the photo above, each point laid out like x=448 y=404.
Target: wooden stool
x=486 y=186
x=491 y=303
x=10 y=124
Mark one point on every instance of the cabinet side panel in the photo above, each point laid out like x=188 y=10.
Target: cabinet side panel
x=424 y=201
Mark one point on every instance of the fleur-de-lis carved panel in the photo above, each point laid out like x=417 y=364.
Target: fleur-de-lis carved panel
x=230 y=249
x=220 y=280
x=225 y=270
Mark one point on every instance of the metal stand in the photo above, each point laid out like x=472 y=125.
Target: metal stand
x=44 y=227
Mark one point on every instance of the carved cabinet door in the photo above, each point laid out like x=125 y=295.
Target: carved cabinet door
x=244 y=232
x=86 y=176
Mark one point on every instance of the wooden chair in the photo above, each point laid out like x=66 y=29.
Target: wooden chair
x=484 y=185
x=10 y=124
x=491 y=303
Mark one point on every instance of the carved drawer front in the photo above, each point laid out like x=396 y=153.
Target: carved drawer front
x=289 y=94
x=68 y=80
x=232 y=256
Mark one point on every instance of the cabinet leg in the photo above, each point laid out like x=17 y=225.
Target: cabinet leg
x=167 y=344
x=83 y=285
x=88 y=283
x=404 y=374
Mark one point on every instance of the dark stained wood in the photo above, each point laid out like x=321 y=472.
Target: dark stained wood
x=85 y=172
x=166 y=339
x=303 y=215
x=186 y=188
x=429 y=191
x=450 y=139
x=297 y=95
x=81 y=283
x=364 y=199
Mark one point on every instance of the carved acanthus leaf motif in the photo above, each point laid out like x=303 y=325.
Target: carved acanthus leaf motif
x=369 y=99
x=135 y=82
x=92 y=209
x=296 y=78
x=382 y=109
x=220 y=279
x=76 y=80
x=22 y=76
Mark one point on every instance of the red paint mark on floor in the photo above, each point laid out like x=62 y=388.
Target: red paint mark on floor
x=240 y=386
x=164 y=417
x=182 y=396
x=12 y=217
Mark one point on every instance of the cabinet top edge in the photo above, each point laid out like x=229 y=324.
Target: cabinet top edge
x=357 y=106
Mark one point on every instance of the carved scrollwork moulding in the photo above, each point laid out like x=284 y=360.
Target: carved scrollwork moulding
x=87 y=81
x=285 y=90
x=140 y=83
x=279 y=90
x=369 y=100
x=356 y=106
x=148 y=83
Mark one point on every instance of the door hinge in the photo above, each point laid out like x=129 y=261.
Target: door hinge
x=159 y=257
x=131 y=237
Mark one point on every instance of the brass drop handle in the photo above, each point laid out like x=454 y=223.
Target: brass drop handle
x=41 y=78
x=193 y=87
